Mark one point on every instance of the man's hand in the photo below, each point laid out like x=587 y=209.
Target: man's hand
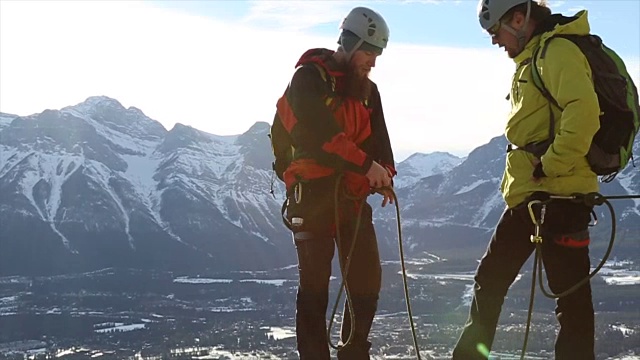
x=388 y=196
x=538 y=173
x=378 y=176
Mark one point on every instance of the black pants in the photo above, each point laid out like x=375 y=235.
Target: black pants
x=565 y=262
x=315 y=245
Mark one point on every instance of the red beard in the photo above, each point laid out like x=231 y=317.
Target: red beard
x=356 y=85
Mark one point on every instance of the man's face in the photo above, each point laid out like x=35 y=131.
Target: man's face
x=362 y=61
x=501 y=36
x=357 y=83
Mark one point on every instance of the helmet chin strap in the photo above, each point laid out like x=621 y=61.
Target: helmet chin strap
x=353 y=50
x=521 y=34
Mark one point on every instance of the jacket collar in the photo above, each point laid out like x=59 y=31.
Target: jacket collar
x=555 y=24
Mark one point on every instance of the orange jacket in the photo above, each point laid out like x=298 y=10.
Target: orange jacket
x=332 y=133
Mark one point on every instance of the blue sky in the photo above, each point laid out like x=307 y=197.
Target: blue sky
x=220 y=66
x=449 y=23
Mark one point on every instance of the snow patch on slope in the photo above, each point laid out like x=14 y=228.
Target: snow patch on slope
x=419 y=166
x=6 y=119
x=496 y=200
x=55 y=169
x=102 y=174
x=469 y=188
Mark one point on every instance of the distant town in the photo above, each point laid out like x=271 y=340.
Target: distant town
x=135 y=314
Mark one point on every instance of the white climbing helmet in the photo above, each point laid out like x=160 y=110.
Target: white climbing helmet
x=368 y=25
x=491 y=11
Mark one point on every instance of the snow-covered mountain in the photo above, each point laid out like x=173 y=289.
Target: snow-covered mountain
x=419 y=165
x=6 y=119
x=97 y=185
x=456 y=210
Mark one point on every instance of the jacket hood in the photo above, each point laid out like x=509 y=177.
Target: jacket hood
x=559 y=24
x=554 y=25
x=322 y=57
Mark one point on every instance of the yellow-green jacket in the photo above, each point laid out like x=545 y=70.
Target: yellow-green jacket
x=567 y=75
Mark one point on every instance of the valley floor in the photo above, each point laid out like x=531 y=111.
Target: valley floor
x=134 y=314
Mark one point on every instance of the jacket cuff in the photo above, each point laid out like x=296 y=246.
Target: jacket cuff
x=391 y=170
x=364 y=169
x=538 y=172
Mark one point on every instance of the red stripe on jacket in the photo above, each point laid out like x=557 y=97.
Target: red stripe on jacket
x=285 y=113
x=354 y=119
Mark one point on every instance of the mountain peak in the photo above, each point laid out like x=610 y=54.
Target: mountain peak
x=101 y=101
x=108 y=114
x=260 y=127
x=106 y=187
x=421 y=165
x=432 y=155
x=94 y=104
x=256 y=131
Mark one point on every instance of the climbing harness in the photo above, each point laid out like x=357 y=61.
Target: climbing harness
x=590 y=199
x=344 y=268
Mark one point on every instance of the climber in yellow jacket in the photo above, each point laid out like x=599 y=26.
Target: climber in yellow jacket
x=563 y=168
x=541 y=160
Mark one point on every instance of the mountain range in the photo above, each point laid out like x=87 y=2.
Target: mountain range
x=99 y=185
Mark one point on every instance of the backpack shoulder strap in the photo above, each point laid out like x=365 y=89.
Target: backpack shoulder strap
x=327 y=78
x=539 y=84
x=538 y=54
x=583 y=42
x=331 y=84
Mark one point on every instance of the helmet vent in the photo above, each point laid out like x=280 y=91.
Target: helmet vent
x=372 y=29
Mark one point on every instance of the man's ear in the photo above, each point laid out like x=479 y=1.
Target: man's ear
x=518 y=19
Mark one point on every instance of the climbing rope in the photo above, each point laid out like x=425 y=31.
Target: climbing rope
x=591 y=199
x=344 y=268
x=404 y=276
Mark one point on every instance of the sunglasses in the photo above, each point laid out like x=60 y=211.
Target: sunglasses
x=493 y=31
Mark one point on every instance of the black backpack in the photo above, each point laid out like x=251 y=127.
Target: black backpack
x=612 y=146
x=282 y=147
x=281 y=143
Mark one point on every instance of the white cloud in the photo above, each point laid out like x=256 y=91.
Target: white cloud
x=297 y=15
x=576 y=9
x=554 y=5
x=218 y=77
x=443 y=98
x=223 y=77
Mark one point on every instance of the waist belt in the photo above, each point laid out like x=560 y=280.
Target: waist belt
x=537 y=149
